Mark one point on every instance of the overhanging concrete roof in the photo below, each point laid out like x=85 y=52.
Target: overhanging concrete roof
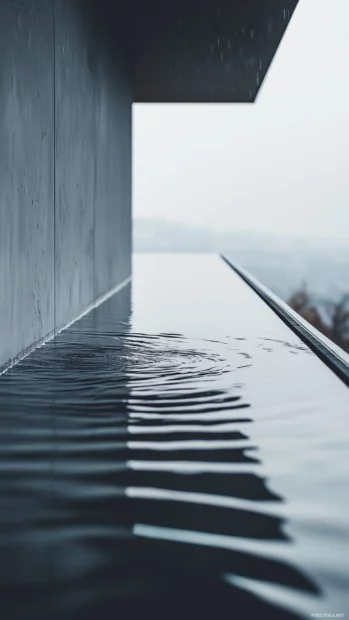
x=205 y=50
x=192 y=50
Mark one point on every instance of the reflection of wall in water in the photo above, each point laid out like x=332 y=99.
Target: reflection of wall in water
x=63 y=434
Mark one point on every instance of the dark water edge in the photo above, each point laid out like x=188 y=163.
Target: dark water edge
x=129 y=484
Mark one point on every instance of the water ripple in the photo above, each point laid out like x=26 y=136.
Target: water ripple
x=129 y=479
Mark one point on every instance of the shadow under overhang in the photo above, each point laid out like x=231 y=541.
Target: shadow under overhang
x=193 y=50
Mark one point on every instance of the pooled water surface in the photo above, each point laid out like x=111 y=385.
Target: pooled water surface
x=161 y=473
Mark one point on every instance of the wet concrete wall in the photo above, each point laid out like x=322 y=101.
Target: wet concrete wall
x=65 y=166
x=26 y=175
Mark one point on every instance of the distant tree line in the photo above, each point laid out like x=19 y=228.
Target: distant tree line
x=332 y=319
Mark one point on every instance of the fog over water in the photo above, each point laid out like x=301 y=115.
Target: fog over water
x=283 y=263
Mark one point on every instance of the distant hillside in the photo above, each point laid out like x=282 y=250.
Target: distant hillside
x=281 y=263
x=160 y=235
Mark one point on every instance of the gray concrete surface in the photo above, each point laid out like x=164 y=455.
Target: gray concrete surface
x=206 y=50
x=65 y=167
x=75 y=93
x=112 y=243
x=26 y=175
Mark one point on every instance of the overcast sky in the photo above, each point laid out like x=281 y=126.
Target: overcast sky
x=280 y=165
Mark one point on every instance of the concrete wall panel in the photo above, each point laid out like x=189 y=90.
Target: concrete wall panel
x=26 y=175
x=65 y=163
x=113 y=182
x=93 y=157
x=75 y=96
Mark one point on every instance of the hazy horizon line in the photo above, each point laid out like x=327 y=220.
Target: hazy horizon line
x=240 y=231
